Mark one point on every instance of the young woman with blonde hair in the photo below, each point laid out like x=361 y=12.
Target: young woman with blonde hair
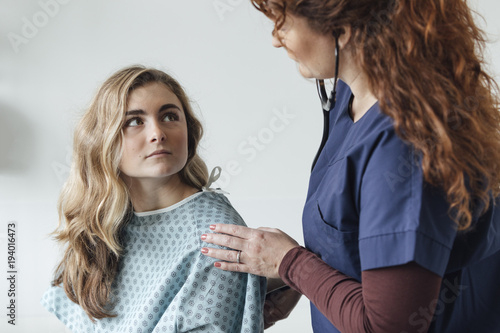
x=131 y=215
x=402 y=218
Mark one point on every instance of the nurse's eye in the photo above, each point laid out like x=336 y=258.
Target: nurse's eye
x=285 y=26
x=132 y=122
x=170 y=116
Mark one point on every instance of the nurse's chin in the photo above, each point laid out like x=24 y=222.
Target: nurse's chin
x=308 y=74
x=304 y=72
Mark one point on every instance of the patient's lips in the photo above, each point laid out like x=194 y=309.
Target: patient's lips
x=159 y=153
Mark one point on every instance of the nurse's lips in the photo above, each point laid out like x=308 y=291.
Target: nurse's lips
x=160 y=152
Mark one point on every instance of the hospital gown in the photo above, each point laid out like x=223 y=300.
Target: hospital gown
x=164 y=283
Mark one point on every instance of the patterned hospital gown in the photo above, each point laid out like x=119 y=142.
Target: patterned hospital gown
x=164 y=283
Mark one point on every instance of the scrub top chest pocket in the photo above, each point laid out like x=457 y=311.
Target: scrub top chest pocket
x=331 y=219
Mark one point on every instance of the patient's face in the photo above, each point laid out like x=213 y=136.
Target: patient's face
x=155 y=137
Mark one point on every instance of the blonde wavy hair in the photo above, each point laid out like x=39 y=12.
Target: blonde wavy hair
x=94 y=204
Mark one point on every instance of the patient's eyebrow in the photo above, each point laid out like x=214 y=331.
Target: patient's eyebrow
x=162 y=108
x=169 y=106
x=134 y=112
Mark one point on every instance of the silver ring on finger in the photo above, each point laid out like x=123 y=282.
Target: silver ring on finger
x=238 y=257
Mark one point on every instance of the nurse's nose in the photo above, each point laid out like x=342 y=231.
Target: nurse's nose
x=157 y=134
x=276 y=40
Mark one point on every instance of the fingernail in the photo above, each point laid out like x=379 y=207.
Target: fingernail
x=212 y=227
x=217 y=264
x=204 y=250
x=203 y=237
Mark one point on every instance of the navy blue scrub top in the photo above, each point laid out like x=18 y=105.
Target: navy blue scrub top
x=368 y=207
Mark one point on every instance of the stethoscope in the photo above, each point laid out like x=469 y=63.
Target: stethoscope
x=327 y=102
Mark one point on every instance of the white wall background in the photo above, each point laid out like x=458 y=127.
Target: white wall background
x=55 y=53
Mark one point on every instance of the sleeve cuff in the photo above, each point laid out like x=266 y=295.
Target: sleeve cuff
x=297 y=266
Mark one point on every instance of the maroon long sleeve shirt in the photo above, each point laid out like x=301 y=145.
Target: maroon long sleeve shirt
x=386 y=300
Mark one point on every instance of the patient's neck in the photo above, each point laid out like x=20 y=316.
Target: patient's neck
x=153 y=194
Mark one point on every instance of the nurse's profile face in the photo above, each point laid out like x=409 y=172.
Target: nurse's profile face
x=313 y=52
x=155 y=136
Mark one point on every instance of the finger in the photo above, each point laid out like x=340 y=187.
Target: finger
x=232 y=242
x=220 y=254
x=267 y=325
x=231 y=229
x=271 y=313
x=233 y=267
x=268 y=311
x=268 y=319
x=269 y=229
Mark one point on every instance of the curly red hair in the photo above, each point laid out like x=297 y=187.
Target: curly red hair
x=424 y=62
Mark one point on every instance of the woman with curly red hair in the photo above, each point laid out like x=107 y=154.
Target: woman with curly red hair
x=402 y=218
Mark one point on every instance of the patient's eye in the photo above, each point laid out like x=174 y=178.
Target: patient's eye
x=136 y=121
x=170 y=116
